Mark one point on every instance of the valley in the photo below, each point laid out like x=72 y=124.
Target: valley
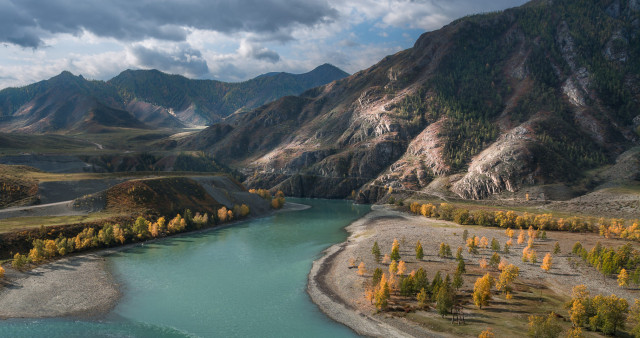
x=488 y=178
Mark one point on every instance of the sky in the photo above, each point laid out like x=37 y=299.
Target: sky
x=226 y=40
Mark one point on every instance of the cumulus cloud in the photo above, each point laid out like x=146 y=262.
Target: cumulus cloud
x=229 y=40
x=250 y=50
x=25 y=22
x=181 y=60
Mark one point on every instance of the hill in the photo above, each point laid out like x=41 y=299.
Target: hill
x=201 y=102
x=491 y=105
x=63 y=103
x=142 y=99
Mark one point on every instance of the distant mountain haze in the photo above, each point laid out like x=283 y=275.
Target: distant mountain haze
x=143 y=99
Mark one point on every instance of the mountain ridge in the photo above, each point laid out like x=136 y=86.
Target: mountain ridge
x=488 y=105
x=186 y=102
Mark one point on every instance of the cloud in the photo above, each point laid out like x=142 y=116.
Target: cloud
x=249 y=50
x=27 y=22
x=181 y=60
x=229 y=40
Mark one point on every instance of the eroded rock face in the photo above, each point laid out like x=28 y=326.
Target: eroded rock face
x=505 y=165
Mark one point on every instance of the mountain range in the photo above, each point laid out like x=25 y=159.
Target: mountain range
x=527 y=99
x=143 y=99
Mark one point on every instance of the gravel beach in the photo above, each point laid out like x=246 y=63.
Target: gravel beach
x=78 y=286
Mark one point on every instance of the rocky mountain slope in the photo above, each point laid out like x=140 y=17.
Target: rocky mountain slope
x=143 y=99
x=487 y=105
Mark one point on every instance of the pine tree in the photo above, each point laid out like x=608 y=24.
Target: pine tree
x=495 y=260
x=375 y=250
x=459 y=254
x=377 y=275
x=419 y=251
x=443 y=250
x=556 y=248
x=461 y=267
x=495 y=245
x=465 y=235
x=457 y=281
x=395 y=251
x=421 y=280
x=445 y=298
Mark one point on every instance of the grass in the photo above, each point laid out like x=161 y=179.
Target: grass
x=505 y=317
x=21 y=173
x=116 y=139
x=27 y=223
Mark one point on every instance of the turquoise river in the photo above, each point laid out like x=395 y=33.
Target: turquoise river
x=245 y=280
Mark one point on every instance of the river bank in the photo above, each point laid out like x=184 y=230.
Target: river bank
x=339 y=294
x=337 y=288
x=77 y=286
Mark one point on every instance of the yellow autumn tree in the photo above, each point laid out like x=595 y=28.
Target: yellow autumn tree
x=118 y=233
x=1 y=272
x=484 y=242
x=382 y=293
x=153 y=229
x=34 y=256
x=402 y=267
x=427 y=210
x=50 y=248
x=369 y=293
x=509 y=232
x=547 y=262
x=414 y=207
x=507 y=276
x=244 y=210
x=162 y=224
x=521 y=237
x=393 y=268
x=482 y=290
x=362 y=269
x=482 y=263
x=488 y=333
x=503 y=264
x=623 y=278
x=386 y=259
x=222 y=214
